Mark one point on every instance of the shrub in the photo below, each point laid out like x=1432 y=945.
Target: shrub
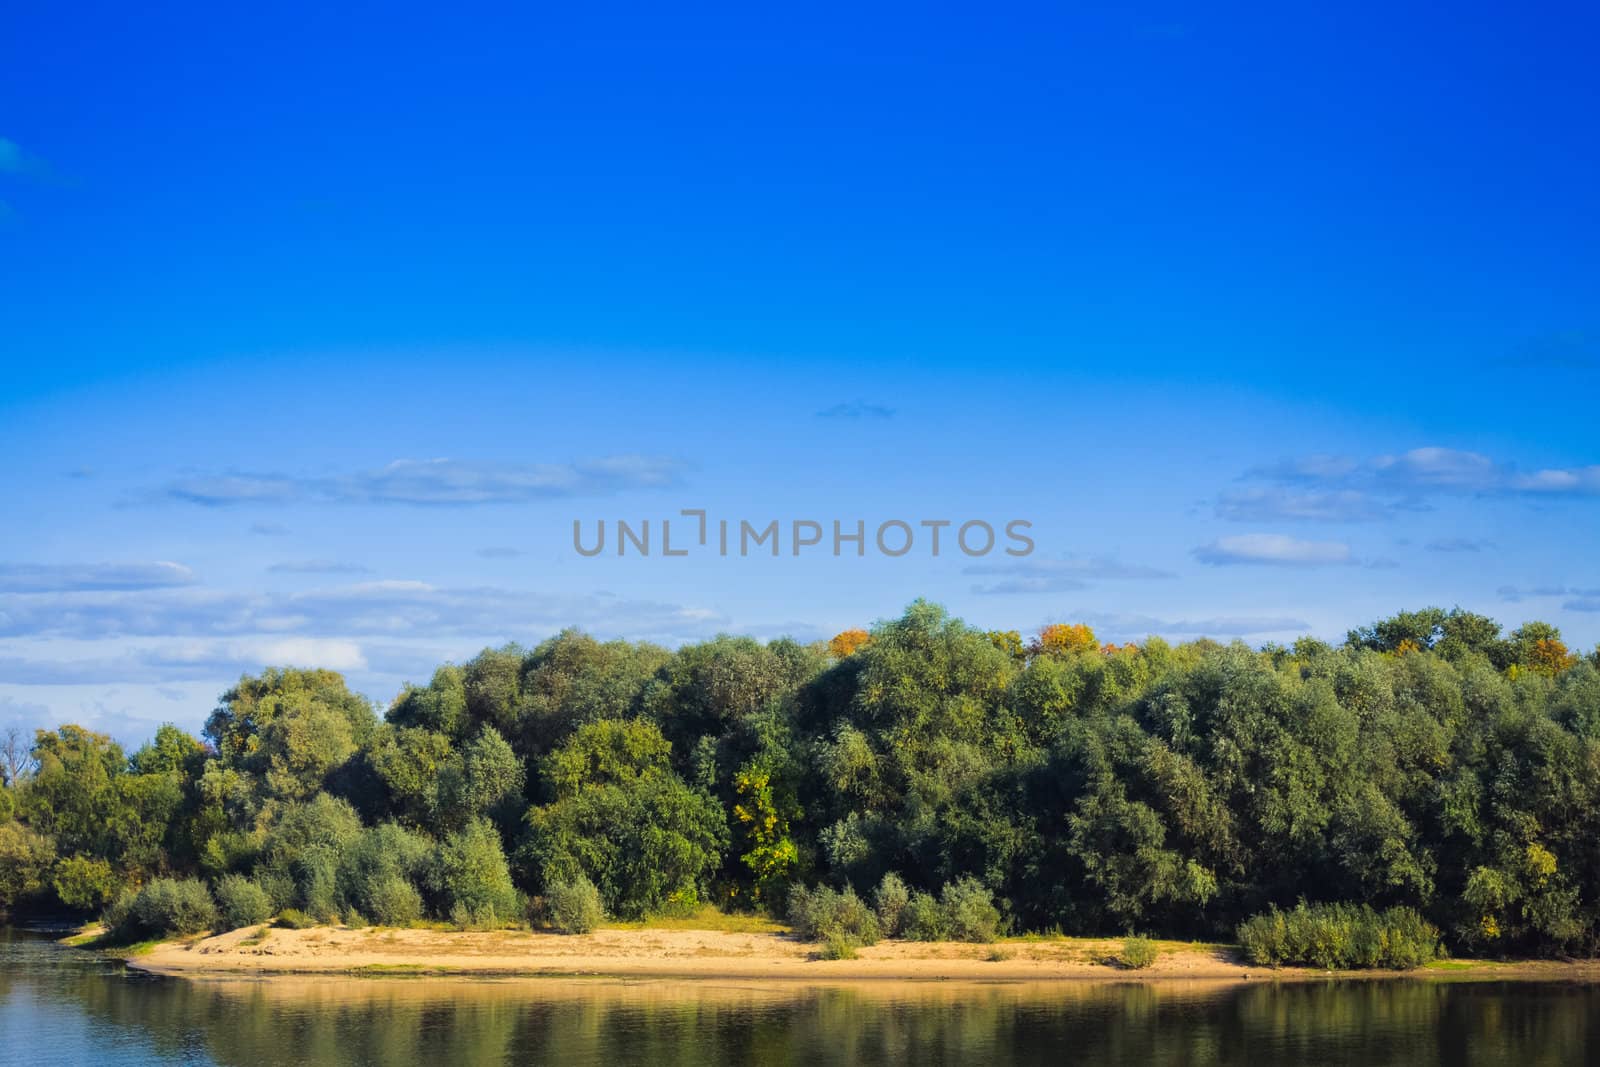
x=378 y=872
x=393 y=901
x=295 y=919
x=354 y=920
x=1339 y=936
x=470 y=874
x=84 y=884
x=970 y=914
x=117 y=915
x=463 y=917
x=822 y=913
x=240 y=902
x=168 y=906
x=1137 y=953
x=838 y=947
x=574 y=906
x=923 y=919
x=890 y=901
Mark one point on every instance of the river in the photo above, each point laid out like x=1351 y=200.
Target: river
x=72 y=1007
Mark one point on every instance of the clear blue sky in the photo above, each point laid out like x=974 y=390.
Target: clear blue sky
x=319 y=328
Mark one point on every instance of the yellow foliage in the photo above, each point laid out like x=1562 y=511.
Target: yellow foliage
x=843 y=644
x=1549 y=656
x=1061 y=637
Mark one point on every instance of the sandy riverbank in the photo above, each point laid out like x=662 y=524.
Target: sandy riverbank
x=723 y=955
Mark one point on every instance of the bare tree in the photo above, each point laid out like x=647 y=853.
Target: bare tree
x=16 y=755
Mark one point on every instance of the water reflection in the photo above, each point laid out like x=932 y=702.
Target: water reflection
x=71 y=1007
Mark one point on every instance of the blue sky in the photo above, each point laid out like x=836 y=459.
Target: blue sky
x=320 y=328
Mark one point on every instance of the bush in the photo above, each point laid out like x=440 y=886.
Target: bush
x=970 y=914
x=822 y=913
x=84 y=884
x=393 y=901
x=923 y=919
x=574 y=906
x=470 y=875
x=890 y=901
x=240 y=902
x=295 y=919
x=117 y=915
x=1339 y=937
x=838 y=947
x=378 y=874
x=167 y=906
x=1137 y=953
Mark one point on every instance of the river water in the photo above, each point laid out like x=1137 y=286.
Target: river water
x=70 y=1007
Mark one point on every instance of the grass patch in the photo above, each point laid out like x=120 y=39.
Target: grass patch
x=391 y=970
x=256 y=938
x=1137 y=953
x=707 y=918
x=1000 y=953
x=1450 y=965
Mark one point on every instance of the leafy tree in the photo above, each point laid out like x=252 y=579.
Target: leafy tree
x=847 y=642
x=470 y=875
x=26 y=859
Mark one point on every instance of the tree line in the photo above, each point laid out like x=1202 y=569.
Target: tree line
x=1431 y=761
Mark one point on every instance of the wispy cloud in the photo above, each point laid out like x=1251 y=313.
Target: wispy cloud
x=432 y=482
x=1272 y=503
x=856 y=409
x=269 y=529
x=1344 y=489
x=318 y=566
x=13 y=160
x=1056 y=575
x=1273 y=550
x=79 y=577
x=1514 y=594
x=1458 y=544
x=393 y=608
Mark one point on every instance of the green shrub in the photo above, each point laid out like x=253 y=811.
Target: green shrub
x=838 y=947
x=574 y=906
x=118 y=913
x=1137 y=953
x=823 y=913
x=168 y=906
x=278 y=886
x=970 y=914
x=469 y=873
x=485 y=917
x=379 y=871
x=923 y=919
x=240 y=902
x=393 y=902
x=354 y=920
x=890 y=901
x=1339 y=937
x=295 y=919
x=84 y=884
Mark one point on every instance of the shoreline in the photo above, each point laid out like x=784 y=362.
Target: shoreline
x=708 y=955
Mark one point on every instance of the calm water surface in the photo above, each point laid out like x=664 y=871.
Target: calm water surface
x=63 y=1006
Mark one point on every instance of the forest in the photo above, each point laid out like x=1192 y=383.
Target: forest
x=1432 y=762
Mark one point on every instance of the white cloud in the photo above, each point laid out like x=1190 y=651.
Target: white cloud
x=72 y=577
x=433 y=482
x=1273 y=549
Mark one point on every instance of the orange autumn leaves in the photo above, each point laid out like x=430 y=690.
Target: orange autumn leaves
x=1054 y=640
